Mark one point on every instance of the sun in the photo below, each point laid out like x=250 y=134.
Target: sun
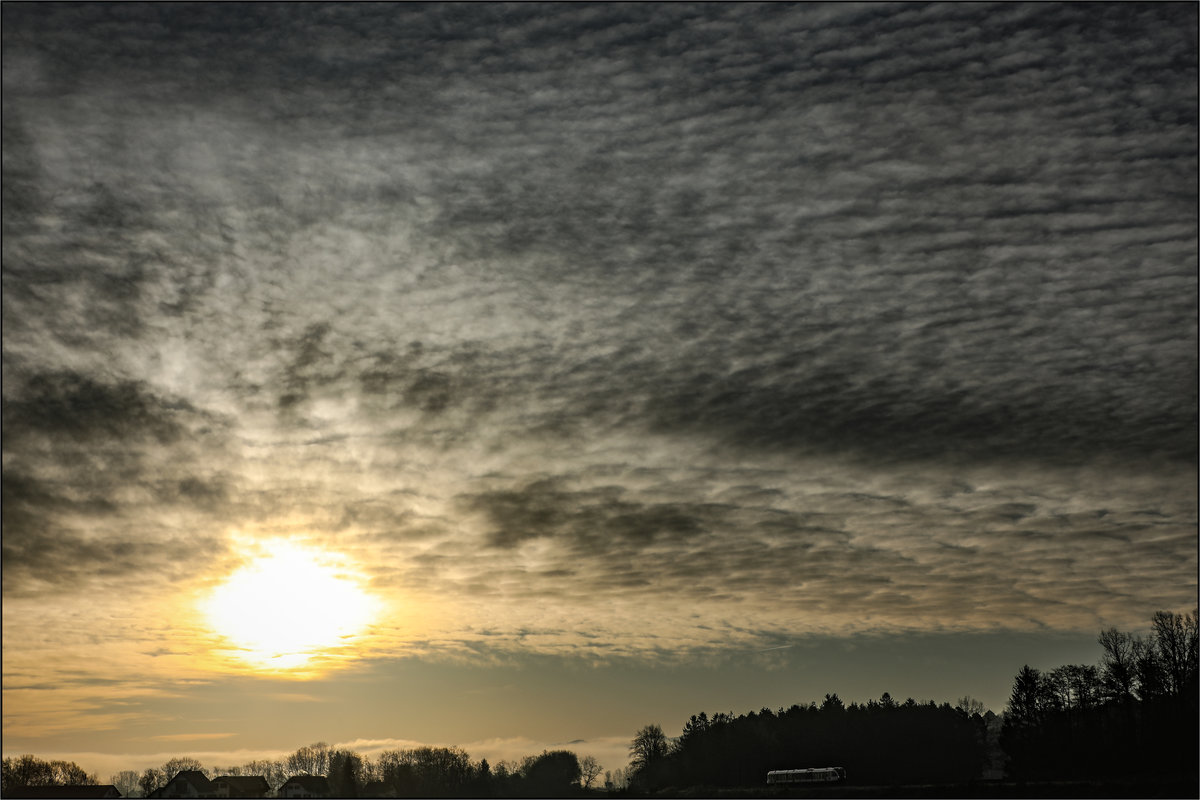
x=288 y=606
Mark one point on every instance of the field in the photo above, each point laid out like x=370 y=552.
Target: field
x=982 y=789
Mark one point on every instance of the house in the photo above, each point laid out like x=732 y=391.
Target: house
x=68 y=792
x=240 y=786
x=305 y=786
x=189 y=783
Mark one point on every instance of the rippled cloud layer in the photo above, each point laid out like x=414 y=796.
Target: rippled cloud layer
x=600 y=330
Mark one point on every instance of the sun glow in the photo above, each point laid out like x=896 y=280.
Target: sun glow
x=289 y=606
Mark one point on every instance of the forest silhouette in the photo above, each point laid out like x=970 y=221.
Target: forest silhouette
x=1129 y=721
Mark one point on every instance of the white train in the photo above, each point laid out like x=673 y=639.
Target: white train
x=812 y=775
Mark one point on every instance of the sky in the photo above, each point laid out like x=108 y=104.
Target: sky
x=540 y=372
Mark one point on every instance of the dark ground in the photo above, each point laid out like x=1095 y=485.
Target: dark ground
x=1182 y=788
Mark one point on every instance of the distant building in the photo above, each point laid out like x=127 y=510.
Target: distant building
x=189 y=783
x=240 y=786
x=68 y=792
x=305 y=786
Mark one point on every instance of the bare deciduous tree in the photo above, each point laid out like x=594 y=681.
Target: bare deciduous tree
x=312 y=759
x=590 y=768
x=1118 y=664
x=968 y=705
x=126 y=782
x=151 y=780
x=1176 y=643
x=28 y=770
x=183 y=764
x=648 y=747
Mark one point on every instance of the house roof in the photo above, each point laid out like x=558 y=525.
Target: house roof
x=248 y=781
x=245 y=784
x=195 y=777
x=317 y=784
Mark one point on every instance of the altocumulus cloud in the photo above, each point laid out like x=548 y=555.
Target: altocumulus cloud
x=773 y=319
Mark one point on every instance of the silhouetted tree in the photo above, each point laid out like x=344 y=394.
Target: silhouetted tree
x=647 y=752
x=1029 y=701
x=29 y=770
x=1118 y=669
x=182 y=764
x=968 y=705
x=151 y=780
x=590 y=769
x=310 y=760
x=345 y=773
x=1175 y=640
x=1133 y=717
x=879 y=741
x=648 y=747
x=1151 y=675
x=425 y=771
x=272 y=770
x=619 y=779
x=833 y=703
x=1030 y=706
x=126 y=782
x=695 y=726
x=482 y=781
x=503 y=773
x=1074 y=687
x=552 y=774
x=397 y=773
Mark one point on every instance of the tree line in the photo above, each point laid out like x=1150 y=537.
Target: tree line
x=878 y=742
x=30 y=770
x=1131 y=716
x=417 y=772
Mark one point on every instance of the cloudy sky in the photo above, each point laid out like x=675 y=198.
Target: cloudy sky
x=631 y=360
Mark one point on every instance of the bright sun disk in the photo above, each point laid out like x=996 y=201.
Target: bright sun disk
x=288 y=606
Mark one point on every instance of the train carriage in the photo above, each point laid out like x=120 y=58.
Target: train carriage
x=811 y=775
